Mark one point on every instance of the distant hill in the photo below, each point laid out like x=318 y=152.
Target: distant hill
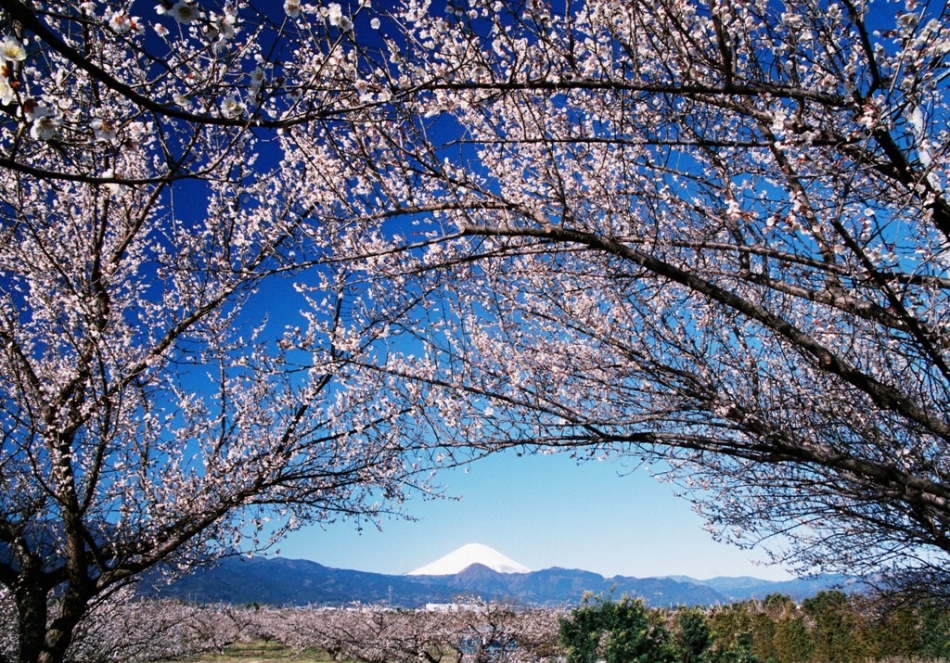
x=282 y=582
x=744 y=588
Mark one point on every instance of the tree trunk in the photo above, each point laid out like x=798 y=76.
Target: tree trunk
x=59 y=635
x=42 y=640
x=32 y=612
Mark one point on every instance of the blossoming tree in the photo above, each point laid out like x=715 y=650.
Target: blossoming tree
x=711 y=236
x=160 y=167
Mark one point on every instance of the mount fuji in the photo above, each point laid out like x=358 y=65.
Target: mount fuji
x=464 y=557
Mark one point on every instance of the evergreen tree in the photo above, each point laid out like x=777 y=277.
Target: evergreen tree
x=616 y=632
x=834 y=625
x=692 y=636
x=731 y=628
x=791 y=641
x=934 y=631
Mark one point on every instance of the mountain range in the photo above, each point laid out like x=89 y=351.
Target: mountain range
x=283 y=582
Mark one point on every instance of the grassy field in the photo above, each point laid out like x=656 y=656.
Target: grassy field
x=262 y=652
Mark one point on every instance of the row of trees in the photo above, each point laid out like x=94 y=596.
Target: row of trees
x=827 y=627
x=711 y=236
x=127 y=628
x=830 y=626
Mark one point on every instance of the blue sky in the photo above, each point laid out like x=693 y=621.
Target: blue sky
x=542 y=511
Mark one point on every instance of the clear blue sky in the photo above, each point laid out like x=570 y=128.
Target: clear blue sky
x=542 y=512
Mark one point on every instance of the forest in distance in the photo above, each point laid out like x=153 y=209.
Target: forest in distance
x=830 y=627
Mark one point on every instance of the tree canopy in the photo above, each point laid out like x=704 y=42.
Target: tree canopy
x=158 y=168
x=708 y=236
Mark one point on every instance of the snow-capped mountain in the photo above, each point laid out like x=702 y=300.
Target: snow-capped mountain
x=471 y=553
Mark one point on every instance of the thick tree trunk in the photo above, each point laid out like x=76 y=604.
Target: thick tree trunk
x=42 y=640
x=59 y=633
x=32 y=612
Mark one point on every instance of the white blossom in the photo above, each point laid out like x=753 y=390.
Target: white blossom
x=226 y=24
x=120 y=22
x=232 y=106
x=114 y=188
x=103 y=129
x=44 y=124
x=12 y=50
x=184 y=12
x=257 y=80
x=292 y=8
x=6 y=91
x=334 y=13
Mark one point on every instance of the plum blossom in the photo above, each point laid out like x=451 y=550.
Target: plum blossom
x=120 y=23
x=257 y=80
x=792 y=20
x=6 y=91
x=183 y=12
x=334 y=14
x=908 y=20
x=44 y=124
x=592 y=331
x=12 y=50
x=362 y=87
x=943 y=255
x=231 y=106
x=30 y=108
x=779 y=121
x=292 y=8
x=181 y=100
x=104 y=129
x=226 y=24
x=136 y=132
x=115 y=188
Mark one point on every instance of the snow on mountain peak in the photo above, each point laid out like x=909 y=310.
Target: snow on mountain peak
x=471 y=553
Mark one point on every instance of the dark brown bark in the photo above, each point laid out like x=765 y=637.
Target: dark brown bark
x=59 y=633
x=32 y=613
